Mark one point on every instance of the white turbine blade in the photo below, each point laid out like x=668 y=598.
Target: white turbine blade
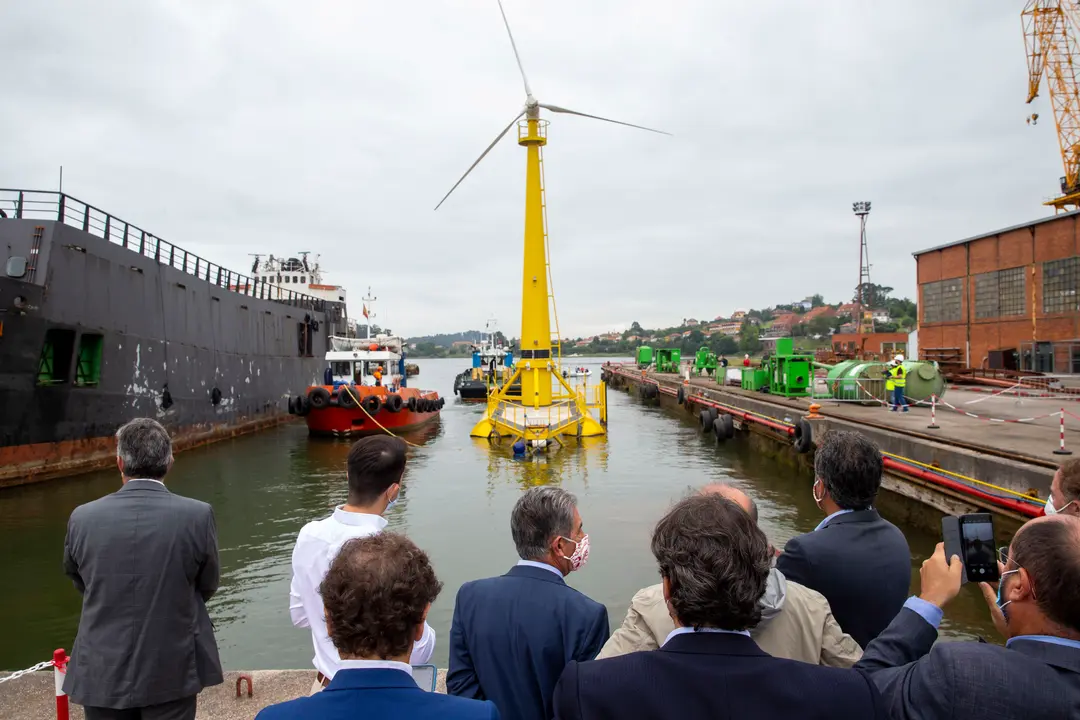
x=557 y=109
x=528 y=91
x=482 y=155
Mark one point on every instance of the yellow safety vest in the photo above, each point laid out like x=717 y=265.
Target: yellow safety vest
x=899 y=376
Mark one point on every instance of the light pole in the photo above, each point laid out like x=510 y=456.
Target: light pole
x=861 y=209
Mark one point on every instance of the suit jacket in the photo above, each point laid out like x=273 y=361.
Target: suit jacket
x=382 y=694
x=146 y=562
x=861 y=563
x=512 y=636
x=917 y=679
x=711 y=675
x=801 y=628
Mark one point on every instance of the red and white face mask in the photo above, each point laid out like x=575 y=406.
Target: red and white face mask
x=581 y=552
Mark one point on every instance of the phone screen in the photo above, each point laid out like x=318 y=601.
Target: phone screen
x=977 y=541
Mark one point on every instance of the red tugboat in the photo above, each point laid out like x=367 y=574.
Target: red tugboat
x=365 y=391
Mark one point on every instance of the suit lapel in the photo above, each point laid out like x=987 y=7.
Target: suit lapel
x=535 y=573
x=859 y=516
x=370 y=678
x=706 y=643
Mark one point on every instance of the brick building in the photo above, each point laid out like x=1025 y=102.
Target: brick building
x=1009 y=298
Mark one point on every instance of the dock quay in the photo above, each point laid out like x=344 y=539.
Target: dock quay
x=30 y=697
x=988 y=453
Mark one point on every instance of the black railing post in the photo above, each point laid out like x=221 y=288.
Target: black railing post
x=19 y=205
x=61 y=209
x=172 y=253
x=86 y=218
x=125 y=236
x=196 y=266
x=142 y=242
x=108 y=227
x=218 y=281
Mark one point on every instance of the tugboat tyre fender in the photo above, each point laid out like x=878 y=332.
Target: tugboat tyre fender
x=439 y=403
x=681 y=397
x=654 y=390
x=319 y=398
x=719 y=430
x=729 y=425
x=292 y=405
x=303 y=405
x=393 y=402
x=804 y=436
x=345 y=399
x=411 y=404
x=371 y=403
x=706 y=419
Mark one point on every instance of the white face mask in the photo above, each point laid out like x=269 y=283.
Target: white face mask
x=813 y=491
x=1051 y=510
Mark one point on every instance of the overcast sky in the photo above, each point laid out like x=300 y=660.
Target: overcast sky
x=231 y=128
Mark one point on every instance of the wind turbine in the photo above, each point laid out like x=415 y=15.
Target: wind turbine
x=535 y=363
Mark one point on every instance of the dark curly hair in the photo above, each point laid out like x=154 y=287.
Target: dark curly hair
x=715 y=559
x=375 y=594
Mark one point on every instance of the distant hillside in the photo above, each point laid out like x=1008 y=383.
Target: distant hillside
x=446 y=339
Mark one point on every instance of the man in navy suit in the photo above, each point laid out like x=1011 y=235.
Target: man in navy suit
x=377 y=594
x=1034 y=606
x=858 y=560
x=714 y=567
x=512 y=635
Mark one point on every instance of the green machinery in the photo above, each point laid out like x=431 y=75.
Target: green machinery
x=705 y=361
x=668 y=360
x=865 y=381
x=644 y=357
x=790 y=374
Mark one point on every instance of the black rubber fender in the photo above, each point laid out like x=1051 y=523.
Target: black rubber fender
x=411 y=404
x=804 y=436
x=292 y=405
x=705 y=418
x=394 y=403
x=215 y=397
x=166 y=399
x=719 y=429
x=318 y=397
x=681 y=397
x=729 y=425
x=371 y=403
x=651 y=391
x=442 y=402
x=345 y=398
x=303 y=405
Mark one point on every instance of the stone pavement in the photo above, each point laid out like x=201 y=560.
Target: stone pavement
x=31 y=696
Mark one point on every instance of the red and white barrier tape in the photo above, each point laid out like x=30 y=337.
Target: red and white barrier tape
x=59 y=665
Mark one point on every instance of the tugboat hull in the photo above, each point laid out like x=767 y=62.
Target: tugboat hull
x=346 y=419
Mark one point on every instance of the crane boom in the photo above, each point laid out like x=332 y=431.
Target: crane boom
x=1050 y=41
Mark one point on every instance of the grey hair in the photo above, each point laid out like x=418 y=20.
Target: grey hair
x=145 y=447
x=540 y=514
x=850 y=466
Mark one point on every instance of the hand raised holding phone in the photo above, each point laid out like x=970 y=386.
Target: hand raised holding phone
x=940 y=580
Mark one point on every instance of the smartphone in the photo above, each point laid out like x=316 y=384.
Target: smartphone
x=425 y=676
x=971 y=537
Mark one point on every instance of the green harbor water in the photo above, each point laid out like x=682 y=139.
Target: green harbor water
x=455 y=503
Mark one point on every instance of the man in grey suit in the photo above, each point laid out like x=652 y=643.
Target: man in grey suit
x=146 y=562
x=1035 y=606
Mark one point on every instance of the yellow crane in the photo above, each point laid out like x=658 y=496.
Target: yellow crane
x=1050 y=40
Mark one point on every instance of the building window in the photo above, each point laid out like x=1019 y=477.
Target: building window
x=54 y=367
x=1061 y=285
x=286 y=278
x=88 y=361
x=999 y=293
x=296 y=278
x=942 y=301
x=303 y=279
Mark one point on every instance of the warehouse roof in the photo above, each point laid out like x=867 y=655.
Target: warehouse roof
x=1021 y=226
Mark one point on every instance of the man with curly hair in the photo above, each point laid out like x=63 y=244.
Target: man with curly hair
x=377 y=594
x=714 y=566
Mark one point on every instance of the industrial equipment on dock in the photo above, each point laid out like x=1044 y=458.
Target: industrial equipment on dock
x=668 y=360
x=705 y=361
x=864 y=381
x=644 y=357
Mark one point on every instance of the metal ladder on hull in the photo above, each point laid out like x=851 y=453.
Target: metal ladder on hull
x=556 y=335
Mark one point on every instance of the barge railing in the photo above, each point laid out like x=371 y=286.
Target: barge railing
x=63 y=208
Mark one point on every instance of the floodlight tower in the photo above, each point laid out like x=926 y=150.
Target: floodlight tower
x=861 y=209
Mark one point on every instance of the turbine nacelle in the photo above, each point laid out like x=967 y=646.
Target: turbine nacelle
x=531 y=111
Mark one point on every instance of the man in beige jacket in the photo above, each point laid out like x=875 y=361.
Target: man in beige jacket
x=796 y=621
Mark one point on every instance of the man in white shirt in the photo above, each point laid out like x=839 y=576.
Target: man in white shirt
x=375 y=467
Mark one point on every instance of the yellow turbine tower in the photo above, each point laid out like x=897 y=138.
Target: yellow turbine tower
x=547 y=406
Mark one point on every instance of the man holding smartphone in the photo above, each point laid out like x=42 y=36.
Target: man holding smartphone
x=1034 y=605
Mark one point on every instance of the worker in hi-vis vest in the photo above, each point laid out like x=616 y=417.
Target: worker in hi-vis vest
x=899 y=380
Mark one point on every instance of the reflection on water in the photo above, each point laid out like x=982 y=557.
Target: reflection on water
x=455 y=503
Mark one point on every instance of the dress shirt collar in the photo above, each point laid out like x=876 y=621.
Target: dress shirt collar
x=1046 y=639
x=825 y=522
x=375 y=665
x=685 y=630
x=345 y=517
x=533 y=563
x=159 y=482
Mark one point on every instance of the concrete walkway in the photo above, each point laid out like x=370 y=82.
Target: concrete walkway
x=31 y=697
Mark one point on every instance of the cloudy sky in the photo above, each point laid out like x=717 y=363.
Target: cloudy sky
x=234 y=127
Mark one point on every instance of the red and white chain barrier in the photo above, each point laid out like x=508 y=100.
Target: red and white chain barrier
x=1061 y=447
x=933 y=414
x=59 y=665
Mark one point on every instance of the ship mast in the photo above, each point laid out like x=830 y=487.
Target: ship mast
x=369 y=313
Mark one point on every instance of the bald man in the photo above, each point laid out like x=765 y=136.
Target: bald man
x=796 y=623
x=1034 y=606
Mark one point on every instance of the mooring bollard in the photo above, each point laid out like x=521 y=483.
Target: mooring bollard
x=933 y=413
x=1061 y=446
x=241 y=678
x=60 y=661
